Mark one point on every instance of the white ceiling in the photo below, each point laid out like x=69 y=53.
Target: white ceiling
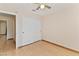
x=27 y=8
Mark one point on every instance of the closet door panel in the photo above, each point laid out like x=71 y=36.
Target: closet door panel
x=31 y=30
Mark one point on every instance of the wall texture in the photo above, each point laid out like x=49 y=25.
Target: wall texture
x=62 y=27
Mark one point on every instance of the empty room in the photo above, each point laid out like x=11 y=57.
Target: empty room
x=39 y=29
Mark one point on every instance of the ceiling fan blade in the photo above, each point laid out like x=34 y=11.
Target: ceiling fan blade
x=48 y=6
x=33 y=10
x=38 y=8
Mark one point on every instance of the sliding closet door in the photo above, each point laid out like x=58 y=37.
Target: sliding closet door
x=31 y=30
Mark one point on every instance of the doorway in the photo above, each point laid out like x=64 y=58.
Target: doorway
x=7 y=32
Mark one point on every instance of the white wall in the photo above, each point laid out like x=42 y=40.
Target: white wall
x=62 y=27
x=18 y=30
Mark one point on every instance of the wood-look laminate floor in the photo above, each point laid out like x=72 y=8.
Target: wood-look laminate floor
x=6 y=45
x=40 y=48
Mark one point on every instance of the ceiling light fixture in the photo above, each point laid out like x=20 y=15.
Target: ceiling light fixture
x=42 y=6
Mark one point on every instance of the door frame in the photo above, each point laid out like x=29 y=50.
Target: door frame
x=14 y=14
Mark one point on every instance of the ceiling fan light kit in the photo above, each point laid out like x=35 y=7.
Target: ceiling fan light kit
x=41 y=6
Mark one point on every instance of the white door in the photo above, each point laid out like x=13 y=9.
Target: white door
x=31 y=30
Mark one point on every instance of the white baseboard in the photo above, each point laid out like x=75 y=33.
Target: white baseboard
x=9 y=36
x=62 y=45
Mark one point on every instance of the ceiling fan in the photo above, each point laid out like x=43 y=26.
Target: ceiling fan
x=41 y=6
